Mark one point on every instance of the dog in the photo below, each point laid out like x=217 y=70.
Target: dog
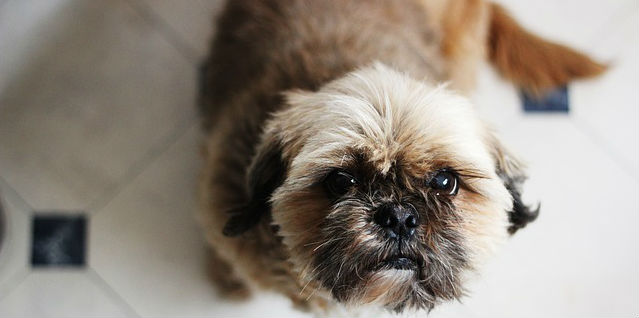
x=343 y=165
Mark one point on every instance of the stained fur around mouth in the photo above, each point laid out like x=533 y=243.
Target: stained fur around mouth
x=353 y=254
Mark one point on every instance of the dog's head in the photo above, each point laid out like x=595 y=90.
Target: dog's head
x=384 y=189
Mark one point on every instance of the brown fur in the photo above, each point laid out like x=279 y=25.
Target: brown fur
x=465 y=28
x=261 y=183
x=531 y=62
x=225 y=279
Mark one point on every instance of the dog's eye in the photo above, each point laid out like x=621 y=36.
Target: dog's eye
x=445 y=182
x=339 y=182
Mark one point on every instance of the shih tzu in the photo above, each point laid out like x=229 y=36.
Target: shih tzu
x=344 y=166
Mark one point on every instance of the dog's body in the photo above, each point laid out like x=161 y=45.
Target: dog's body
x=298 y=94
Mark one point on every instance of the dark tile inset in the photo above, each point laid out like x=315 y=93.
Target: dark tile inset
x=58 y=240
x=555 y=101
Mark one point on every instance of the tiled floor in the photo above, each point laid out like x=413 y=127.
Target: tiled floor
x=97 y=115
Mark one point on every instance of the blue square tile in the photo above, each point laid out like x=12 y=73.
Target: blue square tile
x=58 y=240
x=553 y=101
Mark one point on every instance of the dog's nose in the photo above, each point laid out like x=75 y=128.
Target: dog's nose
x=397 y=220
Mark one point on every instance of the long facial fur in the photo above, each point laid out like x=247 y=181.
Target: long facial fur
x=400 y=130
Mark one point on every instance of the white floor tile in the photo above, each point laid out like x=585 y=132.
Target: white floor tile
x=105 y=89
x=581 y=256
x=496 y=100
x=193 y=21
x=608 y=108
x=59 y=294
x=571 y=22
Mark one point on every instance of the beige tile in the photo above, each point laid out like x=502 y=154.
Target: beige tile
x=147 y=239
x=104 y=92
x=20 y=29
x=192 y=21
x=59 y=294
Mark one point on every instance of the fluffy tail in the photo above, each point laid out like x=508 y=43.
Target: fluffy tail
x=531 y=62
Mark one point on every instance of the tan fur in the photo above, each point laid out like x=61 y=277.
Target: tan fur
x=530 y=61
x=386 y=104
x=296 y=82
x=464 y=25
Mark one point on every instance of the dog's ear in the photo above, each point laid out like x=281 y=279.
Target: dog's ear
x=269 y=165
x=265 y=174
x=511 y=172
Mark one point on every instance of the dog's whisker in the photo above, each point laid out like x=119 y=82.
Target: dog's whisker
x=333 y=240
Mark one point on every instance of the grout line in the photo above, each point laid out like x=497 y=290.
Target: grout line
x=136 y=169
x=111 y=293
x=622 y=13
x=139 y=167
x=166 y=30
x=8 y=190
x=14 y=282
x=10 y=196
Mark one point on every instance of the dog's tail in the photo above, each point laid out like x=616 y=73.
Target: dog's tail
x=531 y=62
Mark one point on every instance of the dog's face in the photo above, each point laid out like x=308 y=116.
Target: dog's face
x=385 y=190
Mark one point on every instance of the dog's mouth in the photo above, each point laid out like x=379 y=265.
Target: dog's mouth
x=401 y=262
